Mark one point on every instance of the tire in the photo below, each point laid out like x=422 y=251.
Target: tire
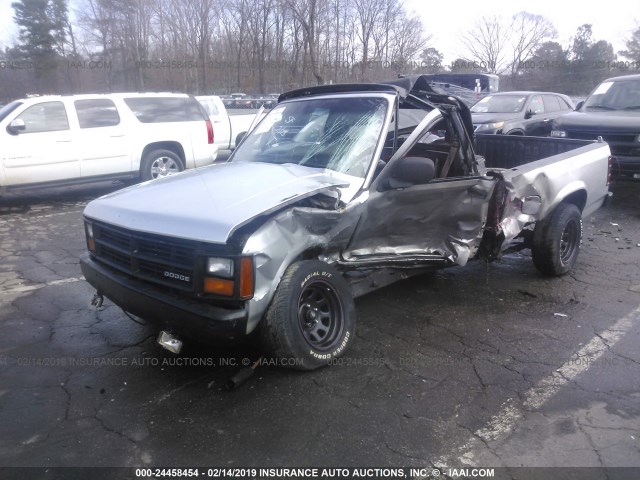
x=160 y=163
x=556 y=240
x=312 y=317
x=239 y=138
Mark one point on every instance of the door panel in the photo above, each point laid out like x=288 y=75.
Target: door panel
x=443 y=217
x=45 y=151
x=102 y=140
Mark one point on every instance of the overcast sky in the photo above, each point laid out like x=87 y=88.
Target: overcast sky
x=612 y=20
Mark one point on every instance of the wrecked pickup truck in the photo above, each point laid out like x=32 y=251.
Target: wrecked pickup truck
x=339 y=190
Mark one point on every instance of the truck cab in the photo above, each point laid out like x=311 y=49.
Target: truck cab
x=339 y=190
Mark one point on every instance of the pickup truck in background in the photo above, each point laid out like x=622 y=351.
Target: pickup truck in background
x=338 y=191
x=228 y=130
x=611 y=112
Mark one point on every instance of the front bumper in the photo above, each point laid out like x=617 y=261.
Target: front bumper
x=183 y=316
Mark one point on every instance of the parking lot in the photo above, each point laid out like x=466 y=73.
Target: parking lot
x=487 y=365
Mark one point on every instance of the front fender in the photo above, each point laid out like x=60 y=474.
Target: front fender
x=283 y=240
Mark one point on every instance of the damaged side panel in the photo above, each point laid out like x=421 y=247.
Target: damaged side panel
x=533 y=190
x=285 y=238
x=443 y=220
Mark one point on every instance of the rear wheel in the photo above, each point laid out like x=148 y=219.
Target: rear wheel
x=160 y=163
x=311 y=319
x=556 y=240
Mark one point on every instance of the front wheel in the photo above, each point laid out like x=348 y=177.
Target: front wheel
x=311 y=319
x=160 y=163
x=556 y=240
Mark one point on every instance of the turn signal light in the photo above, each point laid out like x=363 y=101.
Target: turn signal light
x=91 y=244
x=218 y=286
x=246 y=278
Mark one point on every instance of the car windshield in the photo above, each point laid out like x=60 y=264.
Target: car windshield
x=618 y=95
x=500 y=104
x=338 y=134
x=7 y=109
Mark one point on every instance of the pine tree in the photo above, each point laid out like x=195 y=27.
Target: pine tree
x=37 y=35
x=633 y=47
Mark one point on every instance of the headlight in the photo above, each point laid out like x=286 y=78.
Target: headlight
x=220 y=267
x=559 y=133
x=490 y=126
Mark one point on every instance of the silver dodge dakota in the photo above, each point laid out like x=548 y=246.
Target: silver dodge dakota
x=339 y=190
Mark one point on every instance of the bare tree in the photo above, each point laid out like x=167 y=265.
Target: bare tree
x=241 y=45
x=308 y=13
x=486 y=44
x=368 y=13
x=528 y=33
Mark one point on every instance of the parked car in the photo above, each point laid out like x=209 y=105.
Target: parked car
x=57 y=140
x=240 y=100
x=519 y=113
x=227 y=130
x=612 y=112
x=339 y=190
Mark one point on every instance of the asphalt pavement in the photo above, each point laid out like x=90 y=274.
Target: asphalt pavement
x=486 y=365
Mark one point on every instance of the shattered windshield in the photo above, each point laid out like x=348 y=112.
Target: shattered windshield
x=619 y=95
x=338 y=134
x=500 y=104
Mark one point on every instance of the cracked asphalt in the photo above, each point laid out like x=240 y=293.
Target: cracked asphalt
x=484 y=365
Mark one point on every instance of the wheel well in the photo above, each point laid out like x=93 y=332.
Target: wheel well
x=578 y=198
x=311 y=253
x=174 y=147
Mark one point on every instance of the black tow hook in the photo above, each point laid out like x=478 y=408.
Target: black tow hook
x=242 y=376
x=97 y=300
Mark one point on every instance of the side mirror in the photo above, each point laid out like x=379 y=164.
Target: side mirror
x=528 y=114
x=410 y=171
x=579 y=105
x=16 y=126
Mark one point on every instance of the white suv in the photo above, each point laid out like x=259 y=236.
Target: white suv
x=59 y=140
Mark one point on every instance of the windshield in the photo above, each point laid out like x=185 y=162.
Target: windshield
x=338 y=134
x=620 y=95
x=500 y=104
x=7 y=109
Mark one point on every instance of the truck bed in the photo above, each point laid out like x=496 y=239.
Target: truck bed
x=551 y=169
x=510 y=151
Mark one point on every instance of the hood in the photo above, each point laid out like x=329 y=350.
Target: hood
x=606 y=121
x=479 y=118
x=209 y=203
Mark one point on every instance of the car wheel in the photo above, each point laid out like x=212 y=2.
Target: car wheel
x=311 y=319
x=239 y=137
x=556 y=240
x=160 y=163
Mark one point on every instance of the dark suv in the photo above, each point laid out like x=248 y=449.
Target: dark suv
x=612 y=111
x=519 y=113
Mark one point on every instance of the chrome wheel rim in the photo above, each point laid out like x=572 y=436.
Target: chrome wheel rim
x=163 y=167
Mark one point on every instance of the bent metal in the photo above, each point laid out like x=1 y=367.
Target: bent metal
x=337 y=191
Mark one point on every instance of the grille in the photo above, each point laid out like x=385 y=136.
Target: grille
x=620 y=144
x=154 y=258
